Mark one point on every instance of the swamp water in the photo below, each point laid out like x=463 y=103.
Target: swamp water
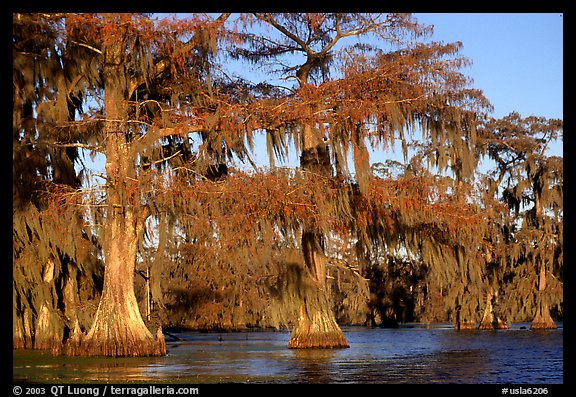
x=408 y=354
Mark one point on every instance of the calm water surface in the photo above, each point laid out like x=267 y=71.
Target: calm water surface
x=409 y=354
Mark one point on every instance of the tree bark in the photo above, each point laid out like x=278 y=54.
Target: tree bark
x=118 y=329
x=316 y=326
x=543 y=319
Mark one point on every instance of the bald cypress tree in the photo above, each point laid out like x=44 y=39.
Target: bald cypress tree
x=530 y=183
x=153 y=81
x=348 y=95
x=119 y=72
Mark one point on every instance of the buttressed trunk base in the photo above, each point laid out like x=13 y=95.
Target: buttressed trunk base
x=117 y=340
x=317 y=330
x=118 y=329
x=316 y=327
x=543 y=319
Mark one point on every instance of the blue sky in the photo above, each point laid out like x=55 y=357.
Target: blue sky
x=517 y=58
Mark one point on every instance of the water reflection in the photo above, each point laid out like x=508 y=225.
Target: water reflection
x=314 y=365
x=403 y=355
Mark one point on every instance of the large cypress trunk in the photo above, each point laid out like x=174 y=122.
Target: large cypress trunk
x=118 y=328
x=543 y=319
x=316 y=326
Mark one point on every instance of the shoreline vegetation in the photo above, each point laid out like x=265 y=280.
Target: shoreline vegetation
x=172 y=333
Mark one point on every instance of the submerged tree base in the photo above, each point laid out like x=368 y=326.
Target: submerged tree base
x=317 y=340
x=495 y=324
x=543 y=319
x=146 y=346
x=543 y=325
x=319 y=331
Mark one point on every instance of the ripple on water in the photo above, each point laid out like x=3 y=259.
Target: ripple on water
x=403 y=355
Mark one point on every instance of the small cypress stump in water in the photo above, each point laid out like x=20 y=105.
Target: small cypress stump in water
x=496 y=323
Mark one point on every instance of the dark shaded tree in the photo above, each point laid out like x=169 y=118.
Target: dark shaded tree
x=56 y=274
x=530 y=183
